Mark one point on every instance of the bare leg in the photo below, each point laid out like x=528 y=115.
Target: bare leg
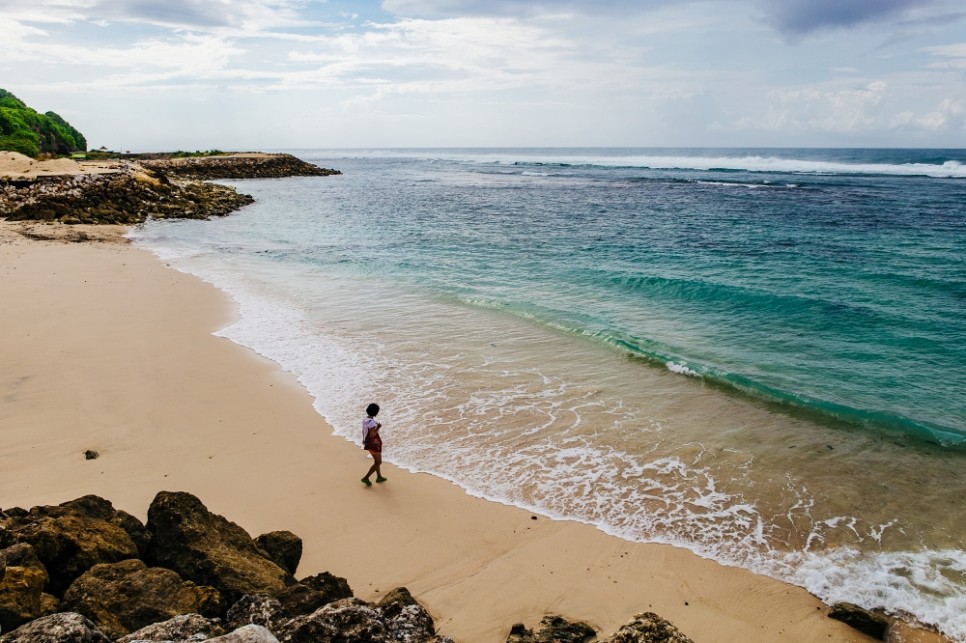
x=375 y=468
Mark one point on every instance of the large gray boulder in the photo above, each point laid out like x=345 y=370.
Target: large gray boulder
x=66 y=627
x=207 y=549
x=123 y=597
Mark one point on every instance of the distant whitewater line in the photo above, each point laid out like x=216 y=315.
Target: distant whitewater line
x=952 y=167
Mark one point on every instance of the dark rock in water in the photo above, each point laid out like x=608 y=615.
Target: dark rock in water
x=553 y=629
x=313 y=592
x=122 y=597
x=257 y=609
x=648 y=628
x=91 y=455
x=179 y=628
x=283 y=547
x=861 y=619
x=71 y=538
x=65 y=627
x=207 y=549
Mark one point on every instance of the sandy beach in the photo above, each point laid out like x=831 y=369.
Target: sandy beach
x=108 y=349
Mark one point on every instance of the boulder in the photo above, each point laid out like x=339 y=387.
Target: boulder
x=122 y=597
x=349 y=620
x=71 y=538
x=398 y=618
x=180 y=628
x=21 y=596
x=553 y=629
x=65 y=627
x=247 y=634
x=207 y=549
x=406 y=620
x=257 y=609
x=861 y=619
x=313 y=592
x=283 y=547
x=648 y=628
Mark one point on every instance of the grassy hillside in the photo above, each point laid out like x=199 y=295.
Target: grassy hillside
x=24 y=130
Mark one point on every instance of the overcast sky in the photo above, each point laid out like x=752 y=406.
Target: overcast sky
x=267 y=74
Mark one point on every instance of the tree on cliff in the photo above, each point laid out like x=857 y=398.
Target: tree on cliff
x=24 y=130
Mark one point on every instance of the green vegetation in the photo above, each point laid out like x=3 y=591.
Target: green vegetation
x=24 y=130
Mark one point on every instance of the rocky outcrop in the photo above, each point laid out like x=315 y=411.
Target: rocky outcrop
x=207 y=549
x=127 y=198
x=234 y=166
x=133 y=191
x=122 y=597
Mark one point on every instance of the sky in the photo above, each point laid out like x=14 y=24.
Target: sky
x=153 y=75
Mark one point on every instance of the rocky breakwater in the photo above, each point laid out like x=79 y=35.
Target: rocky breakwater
x=133 y=191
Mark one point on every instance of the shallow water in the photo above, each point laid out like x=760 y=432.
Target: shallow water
x=754 y=355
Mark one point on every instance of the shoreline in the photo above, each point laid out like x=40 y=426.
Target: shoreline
x=110 y=350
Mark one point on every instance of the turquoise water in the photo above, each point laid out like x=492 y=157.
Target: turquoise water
x=755 y=354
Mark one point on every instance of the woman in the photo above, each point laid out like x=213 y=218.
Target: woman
x=372 y=443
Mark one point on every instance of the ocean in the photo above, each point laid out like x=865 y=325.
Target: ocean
x=754 y=354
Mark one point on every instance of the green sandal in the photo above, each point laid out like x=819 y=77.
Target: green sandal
x=381 y=479
x=366 y=482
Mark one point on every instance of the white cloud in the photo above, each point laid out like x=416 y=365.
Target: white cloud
x=951 y=113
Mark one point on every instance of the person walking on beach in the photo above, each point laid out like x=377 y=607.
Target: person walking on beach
x=372 y=443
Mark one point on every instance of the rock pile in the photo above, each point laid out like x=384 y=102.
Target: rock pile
x=85 y=572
